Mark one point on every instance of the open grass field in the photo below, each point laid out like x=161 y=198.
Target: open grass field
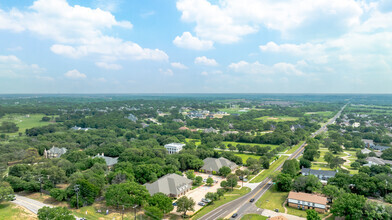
x=265 y=173
x=197 y=141
x=272 y=199
x=237 y=110
x=244 y=156
x=277 y=118
x=9 y=210
x=24 y=121
x=229 y=196
x=262 y=145
x=348 y=155
x=253 y=217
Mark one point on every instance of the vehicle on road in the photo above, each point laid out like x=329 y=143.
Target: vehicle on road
x=234 y=215
x=201 y=204
x=252 y=200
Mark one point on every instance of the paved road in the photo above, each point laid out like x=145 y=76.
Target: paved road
x=242 y=205
x=30 y=204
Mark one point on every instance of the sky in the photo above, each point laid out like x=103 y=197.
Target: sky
x=196 y=46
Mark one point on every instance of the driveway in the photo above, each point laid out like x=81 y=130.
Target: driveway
x=30 y=204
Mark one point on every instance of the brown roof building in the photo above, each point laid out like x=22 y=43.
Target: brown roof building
x=305 y=201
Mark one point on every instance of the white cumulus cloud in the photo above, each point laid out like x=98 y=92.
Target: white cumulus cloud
x=109 y=66
x=205 y=61
x=178 y=65
x=188 y=41
x=75 y=74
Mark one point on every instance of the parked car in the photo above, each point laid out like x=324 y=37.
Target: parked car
x=174 y=204
x=234 y=215
x=206 y=200
x=201 y=204
x=252 y=200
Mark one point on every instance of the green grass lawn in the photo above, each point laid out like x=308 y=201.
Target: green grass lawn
x=270 y=171
x=272 y=199
x=244 y=156
x=197 y=141
x=24 y=122
x=302 y=213
x=293 y=149
x=277 y=118
x=262 y=145
x=229 y=196
x=253 y=217
x=94 y=215
x=9 y=210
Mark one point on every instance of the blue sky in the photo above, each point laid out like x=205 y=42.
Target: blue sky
x=196 y=46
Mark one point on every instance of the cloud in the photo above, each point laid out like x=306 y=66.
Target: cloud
x=205 y=61
x=167 y=72
x=11 y=67
x=258 y=68
x=109 y=66
x=77 y=31
x=187 y=41
x=178 y=65
x=147 y=14
x=215 y=72
x=228 y=21
x=75 y=74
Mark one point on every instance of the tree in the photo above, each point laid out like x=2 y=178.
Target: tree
x=232 y=181
x=335 y=148
x=153 y=212
x=197 y=181
x=116 y=195
x=8 y=127
x=58 y=194
x=162 y=202
x=283 y=182
x=311 y=214
x=328 y=157
x=306 y=184
x=224 y=171
x=335 y=162
x=190 y=174
x=223 y=184
x=6 y=192
x=387 y=154
x=348 y=205
x=56 y=213
x=291 y=167
x=304 y=163
x=212 y=196
x=185 y=204
x=331 y=191
x=209 y=181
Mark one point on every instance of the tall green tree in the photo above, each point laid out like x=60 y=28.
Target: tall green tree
x=311 y=214
x=56 y=213
x=349 y=205
x=185 y=204
x=162 y=202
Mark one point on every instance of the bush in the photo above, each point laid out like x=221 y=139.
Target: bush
x=58 y=194
x=388 y=198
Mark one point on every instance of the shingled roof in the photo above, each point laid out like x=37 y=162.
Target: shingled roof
x=214 y=164
x=170 y=184
x=308 y=197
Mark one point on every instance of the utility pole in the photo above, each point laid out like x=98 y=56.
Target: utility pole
x=40 y=184
x=122 y=215
x=76 y=188
x=134 y=208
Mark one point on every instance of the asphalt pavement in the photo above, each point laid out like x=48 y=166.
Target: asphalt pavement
x=30 y=204
x=242 y=205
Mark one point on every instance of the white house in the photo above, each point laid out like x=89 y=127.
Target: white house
x=174 y=148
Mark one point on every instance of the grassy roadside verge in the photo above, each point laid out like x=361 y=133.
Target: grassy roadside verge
x=269 y=171
x=229 y=196
x=293 y=149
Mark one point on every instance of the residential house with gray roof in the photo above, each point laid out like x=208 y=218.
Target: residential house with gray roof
x=172 y=185
x=214 y=164
x=110 y=161
x=322 y=175
x=54 y=152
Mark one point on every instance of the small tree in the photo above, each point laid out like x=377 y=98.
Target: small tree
x=190 y=174
x=232 y=181
x=311 y=214
x=224 y=171
x=197 y=181
x=210 y=181
x=185 y=204
x=153 y=212
x=6 y=192
x=283 y=182
x=56 y=213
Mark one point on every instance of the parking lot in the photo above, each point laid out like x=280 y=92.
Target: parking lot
x=199 y=193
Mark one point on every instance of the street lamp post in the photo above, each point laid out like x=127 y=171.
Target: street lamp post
x=76 y=188
x=134 y=208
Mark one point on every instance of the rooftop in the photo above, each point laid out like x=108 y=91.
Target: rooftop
x=308 y=197
x=169 y=184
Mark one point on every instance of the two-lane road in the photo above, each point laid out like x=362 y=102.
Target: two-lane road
x=242 y=204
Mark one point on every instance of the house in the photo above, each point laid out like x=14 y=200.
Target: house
x=210 y=130
x=76 y=128
x=172 y=185
x=322 y=175
x=110 y=161
x=178 y=120
x=132 y=117
x=212 y=165
x=295 y=127
x=368 y=142
x=380 y=148
x=174 y=148
x=183 y=128
x=54 y=152
x=305 y=201
x=365 y=151
x=144 y=125
x=376 y=161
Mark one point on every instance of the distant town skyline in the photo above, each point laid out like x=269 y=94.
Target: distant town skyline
x=196 y=46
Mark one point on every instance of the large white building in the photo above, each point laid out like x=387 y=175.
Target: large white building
x=174 y=148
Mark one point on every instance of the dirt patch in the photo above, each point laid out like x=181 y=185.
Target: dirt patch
x=272 y=118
